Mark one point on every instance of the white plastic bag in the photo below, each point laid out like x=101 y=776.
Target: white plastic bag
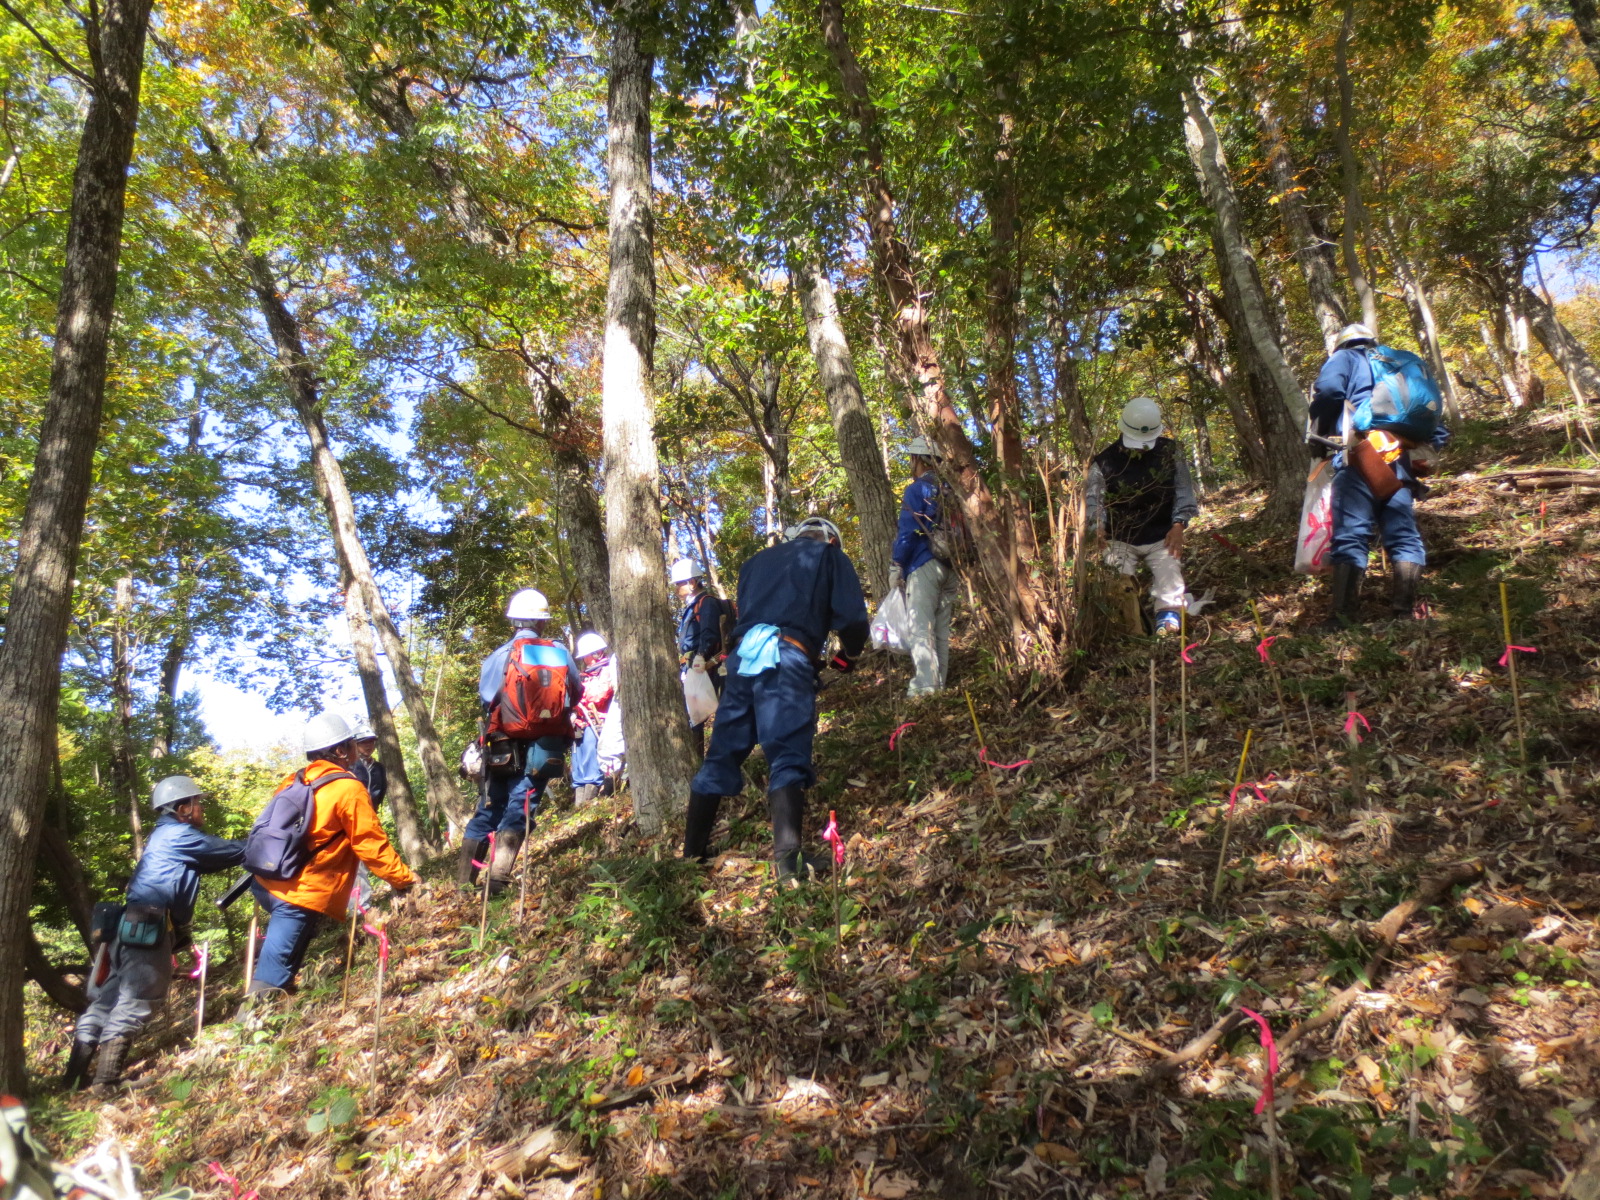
x=1315 y=538
x=700 y=695
x=891 y=627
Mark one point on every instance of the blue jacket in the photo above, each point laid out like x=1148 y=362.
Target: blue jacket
x=919 y=512
x=177 y=854
x=1345 y=377
x=700 y=626
x=492 y=676
x=805 y=587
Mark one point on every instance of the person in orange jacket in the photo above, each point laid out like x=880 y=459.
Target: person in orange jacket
x=344 y=830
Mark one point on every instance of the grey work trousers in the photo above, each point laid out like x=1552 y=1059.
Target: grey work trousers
x=135 y=985
x=931 y=602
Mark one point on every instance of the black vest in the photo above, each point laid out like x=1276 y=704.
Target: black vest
x=1141 y=489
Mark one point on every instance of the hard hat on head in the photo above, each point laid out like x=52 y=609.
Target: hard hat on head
x=174 y=790
x=363 y=731
x=590 y=643
x=325 y=730
x=921 y=447
x=812 y=525
x=1140 y=423
x=686 y=569
x=1354 y=333
x=528 y=605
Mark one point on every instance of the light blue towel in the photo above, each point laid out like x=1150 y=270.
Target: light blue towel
x=758 y=649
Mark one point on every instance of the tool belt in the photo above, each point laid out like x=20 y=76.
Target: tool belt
x=142 y=925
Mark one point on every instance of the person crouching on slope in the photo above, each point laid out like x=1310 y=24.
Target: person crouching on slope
x=343 y=830
x=790 y=596
x=133 y=959
x=1140 y=499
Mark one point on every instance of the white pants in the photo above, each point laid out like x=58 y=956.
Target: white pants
x=1166 y=572
x=931 y=599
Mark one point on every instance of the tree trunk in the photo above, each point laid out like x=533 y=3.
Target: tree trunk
x=167 y=691
x=1298 y=228
x=51 y=983
x=124 y=764
x=776 y=441
x=1423 y=323
x=1069 y=399
x=300 y=376
x=40 y=602
x=414 y=841
x=1204 y=470
x=660 y=762
x=1010 y=587
x=1586 y=16
x=1516 y=340
x=1564 y=349
x=58 y=860
x=1353 y=239
x=852 y=422
x=1237 y=262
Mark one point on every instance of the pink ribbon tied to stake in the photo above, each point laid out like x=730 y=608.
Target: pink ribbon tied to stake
x=1350 y=719
x=199 y=961
x=224 y=1177
x=1264 y=647
x=1505 y=658
x=1271 y=1047
x=1233 y=796
x=483 y=865
x=832 y=836
x=893 y=737
x=383 y=941
x=1184 y=653
x=983 y=757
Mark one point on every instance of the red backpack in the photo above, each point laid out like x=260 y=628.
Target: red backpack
x=532 y=702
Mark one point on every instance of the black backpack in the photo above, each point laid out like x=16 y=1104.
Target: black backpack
x=277 y=845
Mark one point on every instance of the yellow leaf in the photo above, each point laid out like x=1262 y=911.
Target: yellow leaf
x=636 y=1076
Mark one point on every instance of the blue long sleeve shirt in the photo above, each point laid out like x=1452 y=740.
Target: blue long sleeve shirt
x=177 y=854
x=919 y=512
x=805 y=588
x=1345 y=378
x=700 y=626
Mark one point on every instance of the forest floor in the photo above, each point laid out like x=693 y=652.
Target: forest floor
x=1030 y=960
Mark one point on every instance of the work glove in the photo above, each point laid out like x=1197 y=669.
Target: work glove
x=699 y=663
x=841 y=664
x=896 y=580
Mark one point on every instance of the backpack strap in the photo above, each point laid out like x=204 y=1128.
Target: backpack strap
x=316 y=785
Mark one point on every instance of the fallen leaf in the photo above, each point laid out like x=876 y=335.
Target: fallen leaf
x=873 y=1081
x=635 y=1076
x=1054 y=1152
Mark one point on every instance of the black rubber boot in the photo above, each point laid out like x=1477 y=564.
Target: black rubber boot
x=466 y=873
x=698 y=823
x=1405 y=577
x=108 y=1072
x=507 y=844
x=787 y=808
x=77 y=1072
x=1346 y=588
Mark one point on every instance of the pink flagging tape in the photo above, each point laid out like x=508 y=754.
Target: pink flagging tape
x=1271 y=1047
x=1184 y=653
x=1264 y=647
x=224 y=1177
x=893 y=737
x=832 y=836
x=1350 y=719
x=983 y=757
x=383 y=941
x=200 y=953
x=1233 y=796
x=1506 y=657
x=483 y=866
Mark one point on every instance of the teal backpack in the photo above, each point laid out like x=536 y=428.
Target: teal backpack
x=1405 y=398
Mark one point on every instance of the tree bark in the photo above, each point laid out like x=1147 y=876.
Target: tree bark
x=1009 y=585
x=300 y=377
x=1586 y=16
x=124 y=764
x=40 y=603
x=1299 y=229
x=852 y=422
x=414 y=841
x=1353 y=239
x=50 y=980
x=1564 y=349
x=167 y=690
x=660 y=761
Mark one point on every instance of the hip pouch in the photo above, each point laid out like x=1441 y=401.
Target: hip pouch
x=142 y=925
x=504 y=757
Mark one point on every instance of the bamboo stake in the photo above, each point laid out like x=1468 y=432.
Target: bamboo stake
x=1272 y=667
x=200 y=1011
x=377 y=1006
x=1358 y=772
x=250 y=946
x=1183 y=684
x=1511 y=665
x=522 y=899
x=350 y=948
x=1227 y=827
x=1152 y=718
x=483 y=919
x=982 y=766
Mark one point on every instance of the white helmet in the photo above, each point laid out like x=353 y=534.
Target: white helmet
x=174 y=790
x=590 y=643
x=686 y=569
x=812 y=525
x=920 y=446
x=362 y=730
x=1354 y=333
x=1140 y=423
x=325 y=730
x=528 y=605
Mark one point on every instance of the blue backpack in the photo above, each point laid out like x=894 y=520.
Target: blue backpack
x=1405 y=398
x=276 y=847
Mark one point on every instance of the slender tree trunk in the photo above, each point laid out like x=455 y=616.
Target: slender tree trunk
x=1564 y=349
x=124 y=764
x=776 y=440
x=852 y=422
x=1494 y=343
x=1010 y=586
x=300 y=377
x=1353 y=239
x=660 y=762
x=1586 y=16
x=52 y=524
x=167 y=690
x=1298 y=227
x=1424 y=325
x=1517 y=342
x=50 y=980
x=1204 y=470
x=414 y=841
x=57 y=859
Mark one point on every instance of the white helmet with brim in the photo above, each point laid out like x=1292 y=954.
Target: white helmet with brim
x=1140 y=423
x=686 y=569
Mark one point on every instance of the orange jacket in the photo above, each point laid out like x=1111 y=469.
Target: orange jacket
x=342 y=806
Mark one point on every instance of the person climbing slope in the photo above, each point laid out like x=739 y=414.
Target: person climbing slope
x=929 y=581
x=699 y=630
x=529 y=687
x=133 y=954
x=790 y=596
x=1139 y=499
x=342 y=830
x=599 y=674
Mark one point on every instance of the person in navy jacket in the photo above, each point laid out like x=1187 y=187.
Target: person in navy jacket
x=790 y=596
x=132 y=967
x=699 y=630
x=928 y=581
